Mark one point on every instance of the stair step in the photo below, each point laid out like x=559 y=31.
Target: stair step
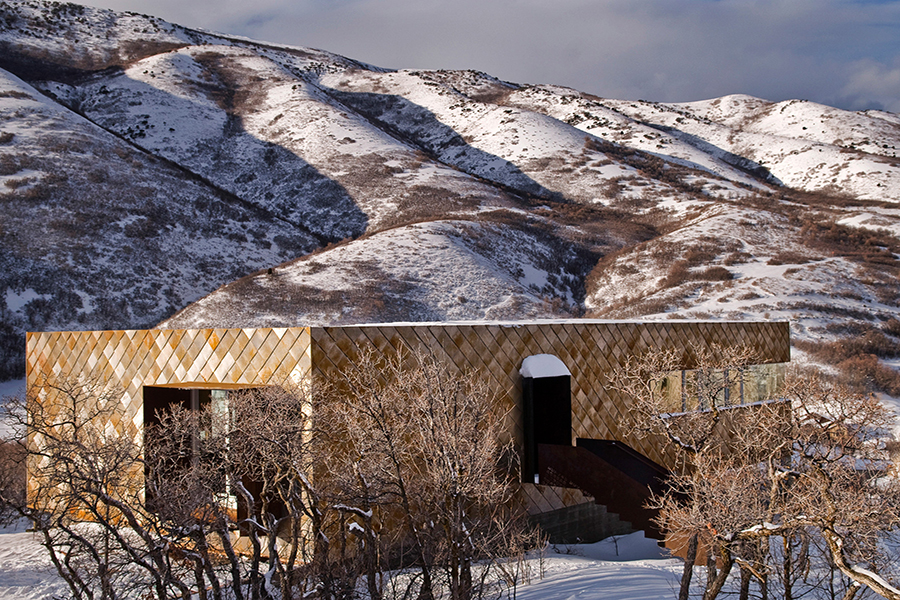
x=623 y=484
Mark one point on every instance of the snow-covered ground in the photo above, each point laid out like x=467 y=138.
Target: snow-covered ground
x=629 y=568
x=625 y=568
x=12 y=388
x=25 y=569
x=15 y=387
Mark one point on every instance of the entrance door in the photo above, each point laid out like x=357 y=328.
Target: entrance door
x=547 y=408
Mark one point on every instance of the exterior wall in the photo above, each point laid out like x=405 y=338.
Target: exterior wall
x=590 y=350
x=203 y=358
x=234 y=358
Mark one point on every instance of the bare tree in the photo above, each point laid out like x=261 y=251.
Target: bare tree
x=120 y=517
x=689 y=419
x=187 y=470
x=251 y=468
x=12 y=479
x=838 y=483
x=86 y=495
x=685 y=415
x=428 y=448
x=280 y=493
x=811 y=467
x=274 y=449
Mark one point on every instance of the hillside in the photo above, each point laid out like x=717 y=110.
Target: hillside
x=153 y=173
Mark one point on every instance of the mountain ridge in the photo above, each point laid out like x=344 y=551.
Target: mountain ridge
x=189 y=179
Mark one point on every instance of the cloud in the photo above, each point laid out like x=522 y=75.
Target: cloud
x=871 y=84
x=831 y=51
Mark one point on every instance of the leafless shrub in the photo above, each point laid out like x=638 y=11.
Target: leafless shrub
x=38 y=192
x=637 y=204
x=275 y=448
x=892 y=326
x=887 y=292
x=736 y=258
x=834 y=309
x=15 y=184
x=857 y=358
x=714 y=274
x=121 y=520
x=648 y=165
x=700 y=255
x=679 y=273
x=866 y=372
x=751 y=295
x=187 y=472
x=9 y=164
x=861 y=245
x=653 y=305
x=15 y=94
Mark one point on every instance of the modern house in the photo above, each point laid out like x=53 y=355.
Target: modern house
x=584 y=474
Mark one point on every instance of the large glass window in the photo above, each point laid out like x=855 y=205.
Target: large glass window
x=701 y=389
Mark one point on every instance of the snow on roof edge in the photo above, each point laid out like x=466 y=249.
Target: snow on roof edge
x=538 y=366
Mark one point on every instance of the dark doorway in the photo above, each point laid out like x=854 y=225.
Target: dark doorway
x=158 y=400
x=547 y=416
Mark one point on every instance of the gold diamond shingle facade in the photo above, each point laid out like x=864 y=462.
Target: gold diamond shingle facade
x=227 y=358
x=130 y=360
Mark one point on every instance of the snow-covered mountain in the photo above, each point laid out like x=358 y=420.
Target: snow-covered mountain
x=147 y=169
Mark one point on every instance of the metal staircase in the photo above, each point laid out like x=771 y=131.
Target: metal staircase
x=611 y=472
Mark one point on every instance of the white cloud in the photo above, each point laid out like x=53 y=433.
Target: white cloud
x=872 y=84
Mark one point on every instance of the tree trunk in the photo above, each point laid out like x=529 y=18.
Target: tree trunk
x=745 y=584
x=715 y=586
x=690 y=558
x=255 y=582
x=465 y=579
x=233 y=562
x=198 y=577
x=787 y=567
x=711 y=568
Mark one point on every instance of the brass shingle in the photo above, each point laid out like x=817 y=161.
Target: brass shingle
x=253 y=357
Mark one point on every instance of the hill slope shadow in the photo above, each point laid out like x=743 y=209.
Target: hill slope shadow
x=417 y=126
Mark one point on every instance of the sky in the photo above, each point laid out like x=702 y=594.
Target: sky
x=844 y=53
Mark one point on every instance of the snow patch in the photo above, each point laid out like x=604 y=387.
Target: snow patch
x=538 y=366
x=15 y=301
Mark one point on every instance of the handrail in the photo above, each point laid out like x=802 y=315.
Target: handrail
x=628 y=460
x=618 y=487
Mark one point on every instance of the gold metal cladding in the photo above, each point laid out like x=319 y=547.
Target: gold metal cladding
x=233 y=358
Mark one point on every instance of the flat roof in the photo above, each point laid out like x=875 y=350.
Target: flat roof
x=452 y=324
